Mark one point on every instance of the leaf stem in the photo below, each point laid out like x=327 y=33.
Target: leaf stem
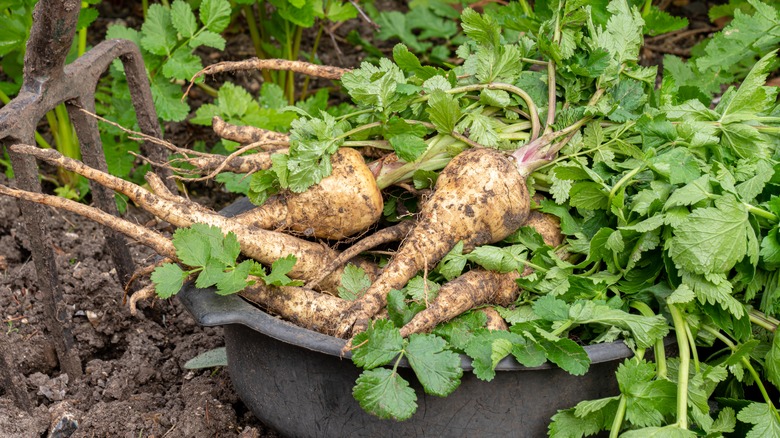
x=761 y=212
x=532 y=110
x=617 y=422
x=760 y=319
x=659 y=349
x=685 y=364
x=746 y=363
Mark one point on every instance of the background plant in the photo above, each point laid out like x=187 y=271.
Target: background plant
x=17 y=21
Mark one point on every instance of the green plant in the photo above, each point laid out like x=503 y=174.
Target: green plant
x=212 y=256
x=670 y=209
x=278 y=34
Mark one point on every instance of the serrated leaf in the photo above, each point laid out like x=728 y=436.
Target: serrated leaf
x=182 y=65
x=486 y=348
x=235 y=280
x=158 y=33
x=711 y=240
x=714 y=289
x=764 y=419
x=279 y=270
x=481 y=28
x=751 y=97
x=437 y=368
x=209 y=39
x=459 y=331
x=378 y=345
x=167 y=100
x=772 y=361
x=215 y=14
x=453 y=263
x=568 y=355
x=551 y=308
x=183 y=19
x=658 y=22
x=87 y=16
x=408 y=147
x=692 y=193
x=168 y=280
x=385 y=394
x=354 y=282
x=588 y=195
x=443 y=111
x=191 y=248
x=212 y=273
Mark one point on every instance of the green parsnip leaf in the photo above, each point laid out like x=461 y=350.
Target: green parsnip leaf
x=385 y=394
x=377 y=346
x=764 y=419
x=437 y=368
x=168 y=280
x=711 y=240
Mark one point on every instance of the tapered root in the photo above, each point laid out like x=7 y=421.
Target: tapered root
x=262 y=245
x=470 y=290
x=301 y=306
x=142 y=294
x=248 y=134
x=385 y=235
x=320 y=71
x=144 y=236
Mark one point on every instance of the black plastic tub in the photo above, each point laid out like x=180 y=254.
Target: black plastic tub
x=295 y=381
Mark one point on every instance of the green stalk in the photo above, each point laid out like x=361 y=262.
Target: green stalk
x=694 y=352
x=647 y=7
x=257 y=41
x=685 y=364
x=760 y=319
x=761 y=213
x=145 y=7
x=314 y=48
x=659 y=348
x=82 y=48
x=746 y=363
x=617 y=422
x=434 y=158
x=563 y=327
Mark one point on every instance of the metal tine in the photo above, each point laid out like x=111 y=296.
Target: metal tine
x=48 y=83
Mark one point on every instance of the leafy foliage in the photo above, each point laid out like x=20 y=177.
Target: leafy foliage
x=213 y=256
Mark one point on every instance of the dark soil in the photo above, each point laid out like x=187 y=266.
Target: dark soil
x=134 y=383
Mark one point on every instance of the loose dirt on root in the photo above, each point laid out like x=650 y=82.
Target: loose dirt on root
x=134 y=382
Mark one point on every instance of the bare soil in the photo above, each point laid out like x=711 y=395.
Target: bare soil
x=134 y=382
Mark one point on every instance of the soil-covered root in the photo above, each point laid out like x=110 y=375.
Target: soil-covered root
x=262 y=245
x=145 y=293
x=248 y=134
x=494 y=319
x=472 y=289
x=209 y=163
x=343 y=204
x=381 y=237
x=142 y=235
x=479 y=287
x=306 y=68
x=479 y=198
x=301 y=306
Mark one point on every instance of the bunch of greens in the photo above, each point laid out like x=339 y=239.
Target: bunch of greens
x=670 y=209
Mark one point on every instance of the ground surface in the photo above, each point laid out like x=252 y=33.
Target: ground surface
x=134 y=381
